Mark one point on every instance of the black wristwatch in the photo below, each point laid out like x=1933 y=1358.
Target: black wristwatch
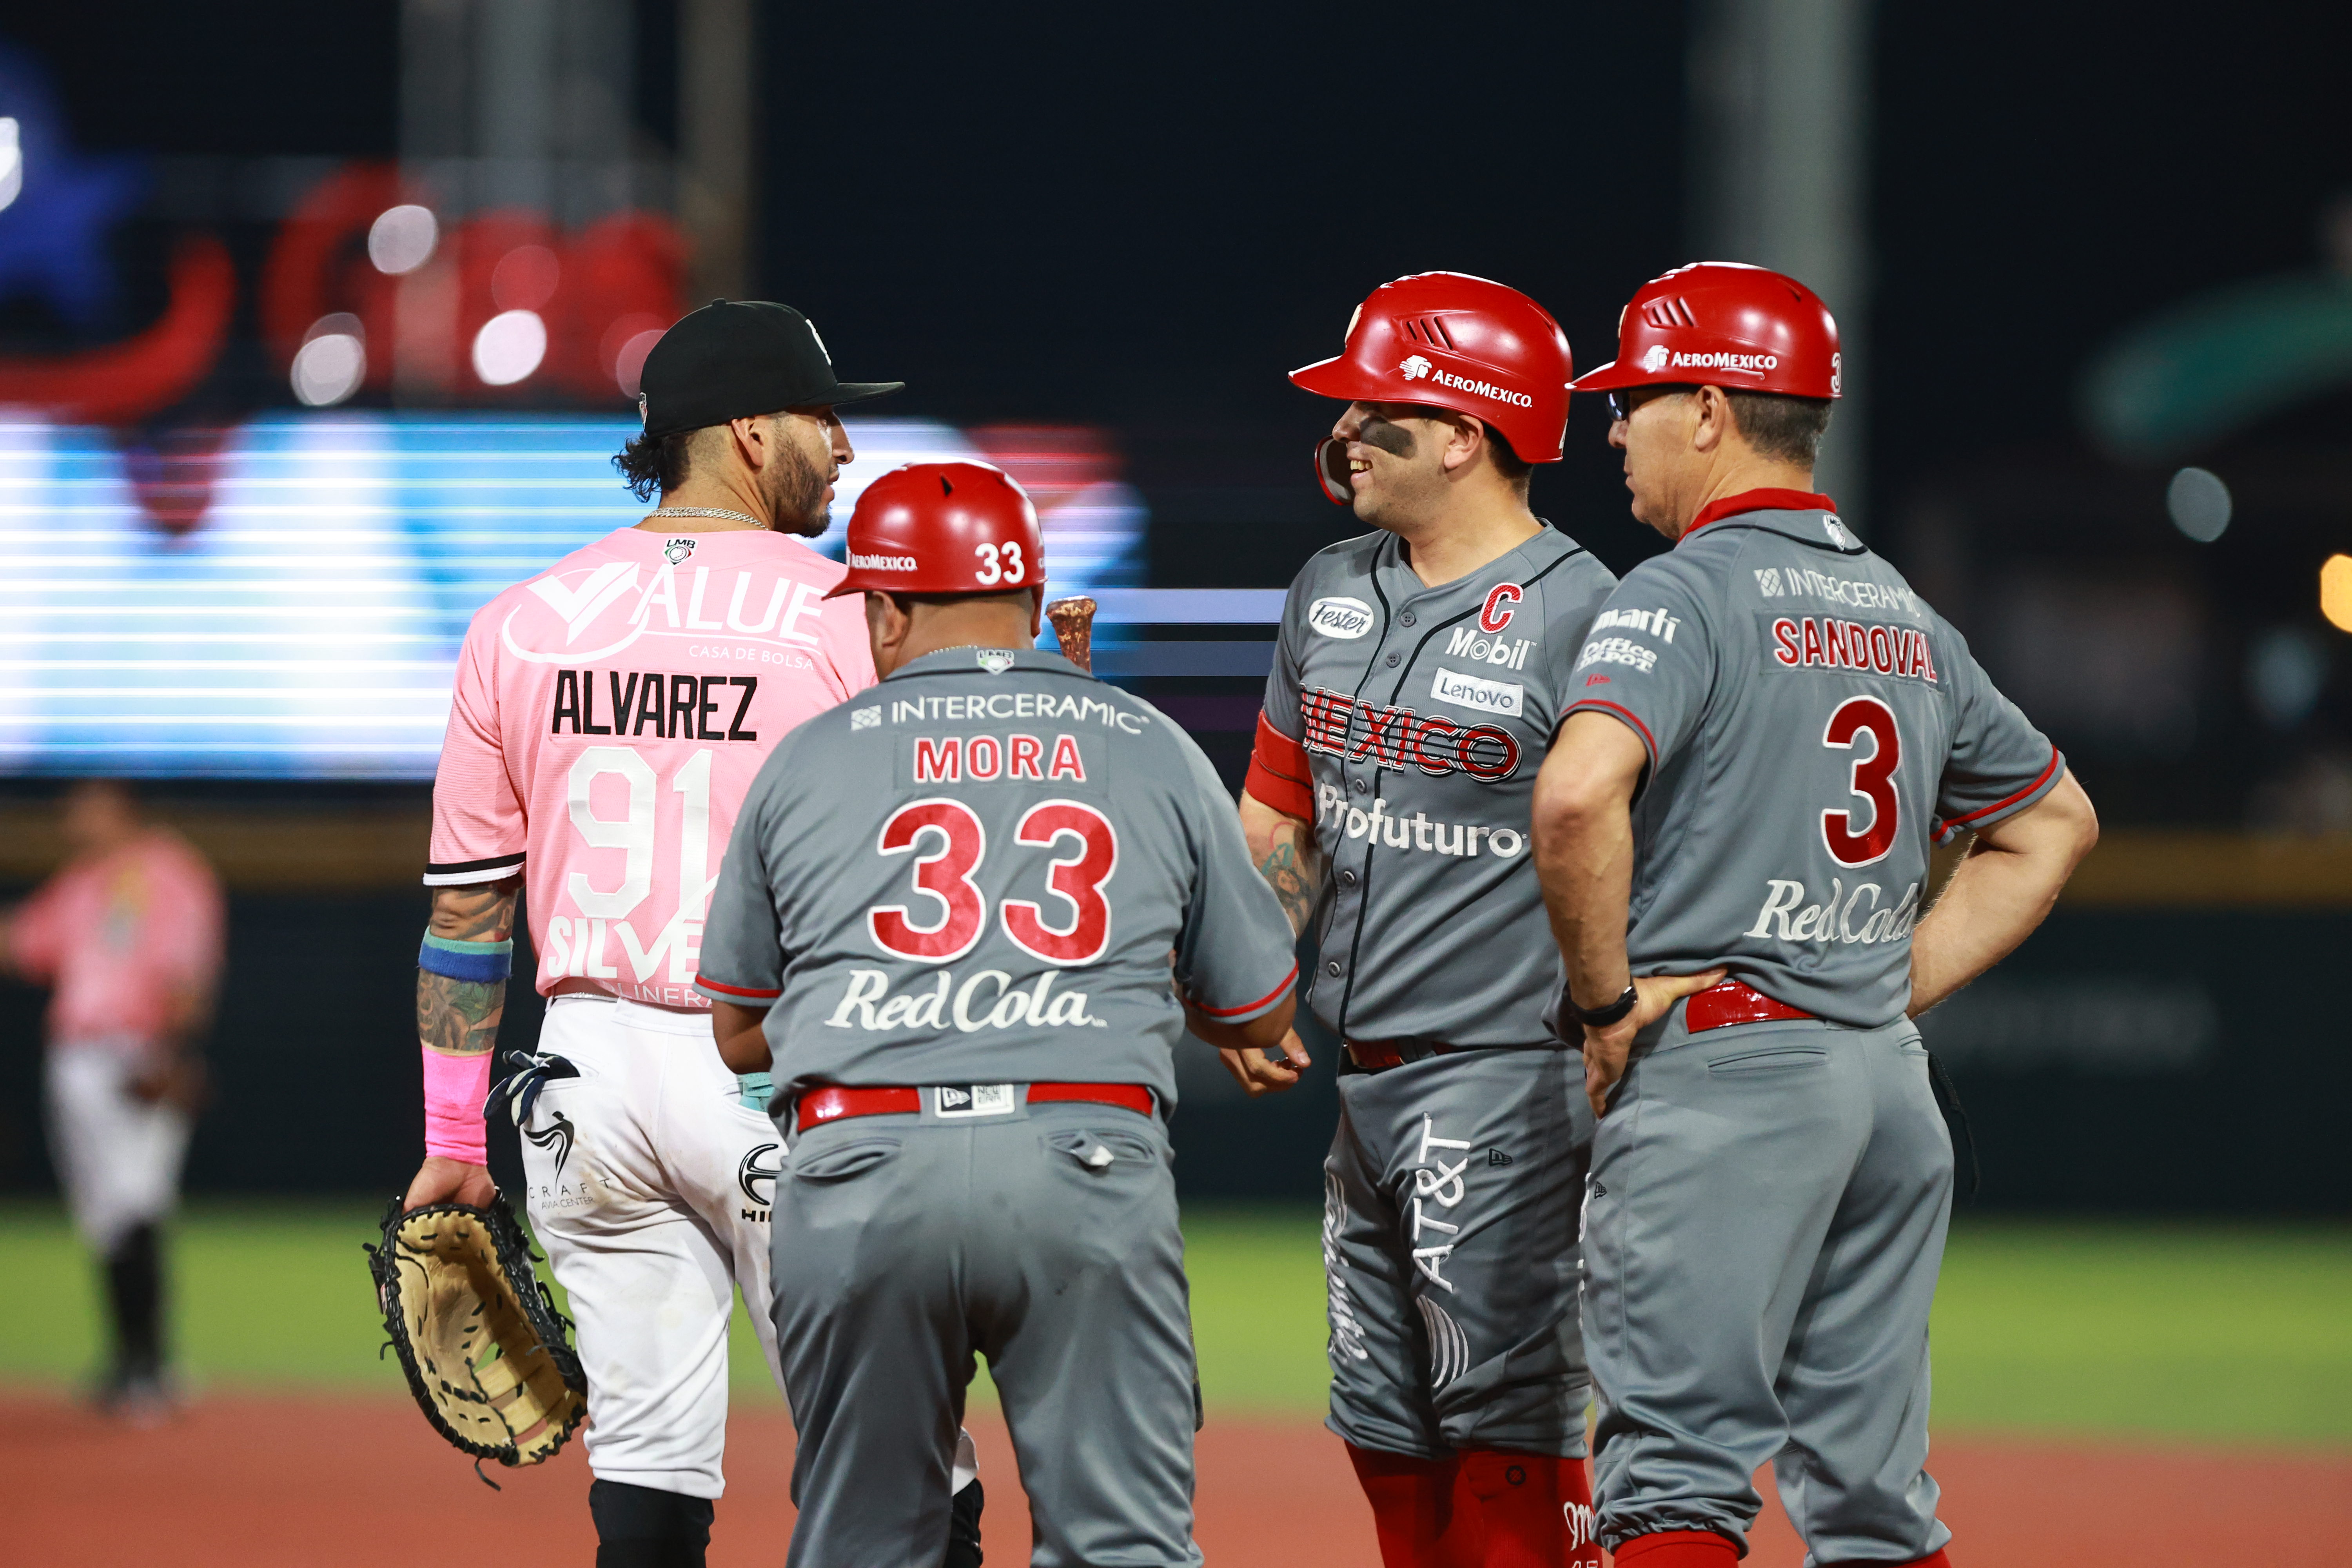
x=1598 y=1017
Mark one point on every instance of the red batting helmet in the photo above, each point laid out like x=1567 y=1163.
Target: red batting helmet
x=1451 y=341
x=1724 y=323
x=943 y=528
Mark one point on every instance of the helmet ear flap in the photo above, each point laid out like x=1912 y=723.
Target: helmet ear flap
x=1331 y=470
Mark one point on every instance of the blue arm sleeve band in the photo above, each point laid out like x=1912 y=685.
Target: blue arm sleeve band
x=465 y=959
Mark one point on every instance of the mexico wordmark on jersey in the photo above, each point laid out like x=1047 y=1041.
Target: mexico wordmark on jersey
x=609 y=714
x=1812 y=724
x=1408 y=724
x=976 y=875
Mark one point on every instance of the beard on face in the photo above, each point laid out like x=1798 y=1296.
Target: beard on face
x=796 y=490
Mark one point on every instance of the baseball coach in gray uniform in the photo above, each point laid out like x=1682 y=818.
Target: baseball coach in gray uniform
x=1410 y=706
x=946 y=924
x=1766 y=728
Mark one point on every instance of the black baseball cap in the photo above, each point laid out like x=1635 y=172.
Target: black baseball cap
x=735 y=358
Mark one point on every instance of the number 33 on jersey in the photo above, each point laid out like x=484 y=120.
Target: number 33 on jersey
x=978 y=872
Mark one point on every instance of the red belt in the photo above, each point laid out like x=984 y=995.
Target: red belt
x=823 y=1105
x=1719 y=1006
x=1379 y=1056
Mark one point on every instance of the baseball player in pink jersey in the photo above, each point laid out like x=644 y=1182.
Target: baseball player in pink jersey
x=609 y=715
x=129 y=933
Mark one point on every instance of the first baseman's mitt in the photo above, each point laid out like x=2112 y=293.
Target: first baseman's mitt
x=485 y=1350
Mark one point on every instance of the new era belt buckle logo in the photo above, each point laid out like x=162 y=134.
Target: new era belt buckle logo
x=955 y=1101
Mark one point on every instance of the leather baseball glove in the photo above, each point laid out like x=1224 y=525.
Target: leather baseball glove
x=487 y=1355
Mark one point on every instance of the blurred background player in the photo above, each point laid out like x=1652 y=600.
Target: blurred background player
x=129 y=934
x=1408 y=710
x=599 y=744
x=1767 y=727
x=949 y=921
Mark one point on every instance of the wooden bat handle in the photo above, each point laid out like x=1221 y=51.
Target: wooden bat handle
x=1073 y=627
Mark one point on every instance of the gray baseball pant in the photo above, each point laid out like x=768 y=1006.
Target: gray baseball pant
x=1449 y=1241
x=1044 y=1239
x=1763 y=1228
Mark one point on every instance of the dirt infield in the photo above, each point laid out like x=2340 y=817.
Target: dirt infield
x=358 y=1483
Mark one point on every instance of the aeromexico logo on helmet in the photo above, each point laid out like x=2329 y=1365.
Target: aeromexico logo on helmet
x=882 y=563
x=1416 y=368
x=1661 y=357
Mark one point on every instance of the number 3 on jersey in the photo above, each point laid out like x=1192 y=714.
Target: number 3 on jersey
x=958 y=842
x=1873 y=779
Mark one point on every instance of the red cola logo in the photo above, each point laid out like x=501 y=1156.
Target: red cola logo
x=1339 y=726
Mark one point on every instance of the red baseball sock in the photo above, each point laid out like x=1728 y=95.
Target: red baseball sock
x=1420 y=1519
x=1677 y=1549
x=1537 y=1509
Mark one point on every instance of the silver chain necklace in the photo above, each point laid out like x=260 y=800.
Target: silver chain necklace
x=707 y=512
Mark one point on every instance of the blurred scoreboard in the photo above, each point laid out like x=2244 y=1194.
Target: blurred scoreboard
x=302 y=615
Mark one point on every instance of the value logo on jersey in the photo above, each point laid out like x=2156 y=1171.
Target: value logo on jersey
x=556 y=615
x=1344 y=618
x=676 y=550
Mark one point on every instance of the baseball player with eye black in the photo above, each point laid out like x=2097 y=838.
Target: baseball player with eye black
x=1409 y=709
x=1764 y=732
x=609 y=715
x=945 y=926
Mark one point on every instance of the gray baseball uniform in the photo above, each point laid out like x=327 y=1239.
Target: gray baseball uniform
x=1452 y=1187
x=1768 y=1199
x=967 y=886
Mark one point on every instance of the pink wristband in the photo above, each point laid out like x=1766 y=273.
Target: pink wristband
x=455 y=1087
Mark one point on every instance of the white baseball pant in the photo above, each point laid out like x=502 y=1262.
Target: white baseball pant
x=649 y=1187
x=117 y=1156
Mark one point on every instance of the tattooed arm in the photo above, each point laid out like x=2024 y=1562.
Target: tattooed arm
x=460 y=1018
x=1292 y=863
x=1287 y=857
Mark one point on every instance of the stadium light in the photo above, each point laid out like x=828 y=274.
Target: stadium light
x=2335 y=591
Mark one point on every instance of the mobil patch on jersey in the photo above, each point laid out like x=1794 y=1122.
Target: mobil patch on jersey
x=1862 y=648
x=1015 y=754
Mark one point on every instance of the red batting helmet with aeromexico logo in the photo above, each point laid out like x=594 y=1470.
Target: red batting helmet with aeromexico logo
x=1451 y=341
x=1723 y=323
x=943 y=528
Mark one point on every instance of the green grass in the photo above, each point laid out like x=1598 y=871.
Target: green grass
x=2215 y=1332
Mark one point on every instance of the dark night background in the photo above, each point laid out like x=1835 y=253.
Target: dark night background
x=1140 y=218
